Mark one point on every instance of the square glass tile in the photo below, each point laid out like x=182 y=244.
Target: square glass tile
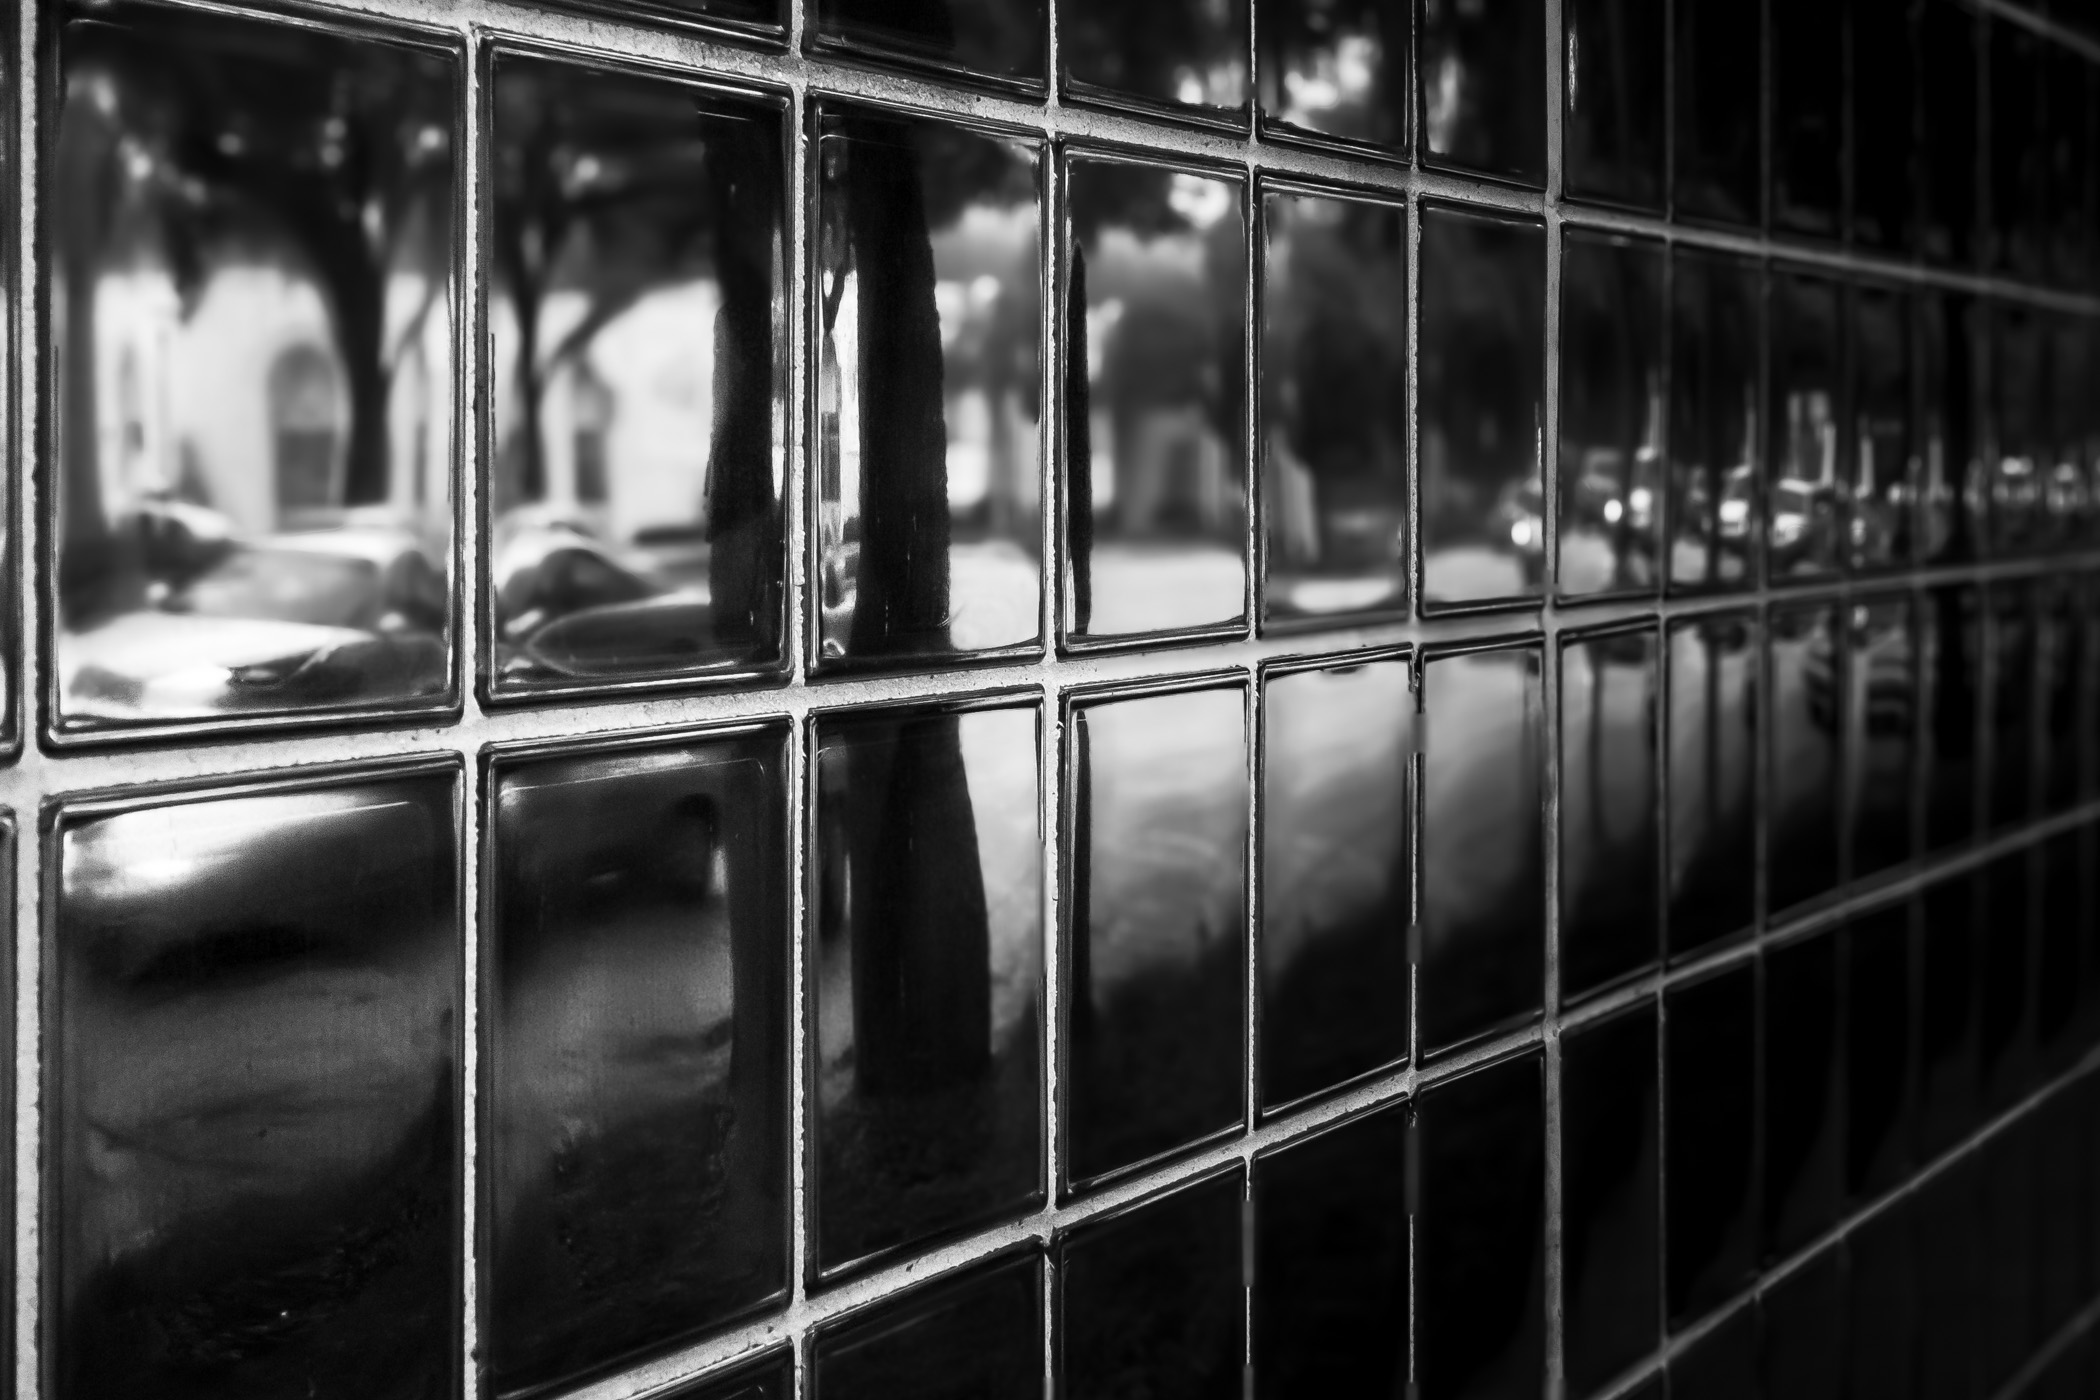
x=1881 y=728
x=1612 y=416
x=1189 y=58
x=1718 y=89
x=1881 y=528
x=1806 y=667
x=1337 y=70
x=1808 y=60
x=1481 y=85
x=1611 y=1196
x=1710 y=1141
x=1711 y=739
x=1715 y=369
x=972 y=1335
x=1803 y=525
x=1610 y=837
x=1005 y=41
x=1615 y=87
x=1803 y=1129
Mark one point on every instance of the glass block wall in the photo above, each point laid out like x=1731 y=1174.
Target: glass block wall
x=991 y=698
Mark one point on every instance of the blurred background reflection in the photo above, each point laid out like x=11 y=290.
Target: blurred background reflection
x=929 y=522
x=255 y=358
x=1156 y=393
x=1611 y=415
x=638 y=1051
x=1337 y=68
x=635 y=484
x=255 y=1163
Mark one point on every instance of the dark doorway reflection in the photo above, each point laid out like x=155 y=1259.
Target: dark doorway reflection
x=1715 y=321
x=1712 y=783
x=975 y=1336
x=254 y=369
x=1610 y=732
x=254 y=1164
x=1158 y=941
x=1337 y=69
x=928 y=964
x=1611 y=415
x=929 y=505
x=1156 y=400
x=637 y=380
x=638 y=1050
x=1338 y=746
x=1334 y=405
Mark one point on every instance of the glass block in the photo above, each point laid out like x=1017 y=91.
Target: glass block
x=1884 y=113
x=1949 y=41
x=2018 y=755
x=1886 y=464
x=2018 y=155
x=2019 y=409
x=2061 y=1190
x=1712 y=781
x=253 y=1180
x=1717 y=90
x=928 y=963
x=1152 y=1299
x=1951 y=354
x=1722 y=1364
x=1003 y=40
x=1808 y=674
x=1947 y=1267
x=1481 y=406
x=1951 y=672
x=1190 y=58
x=1803 y=1133
x=1804 y=1330
x=254 y=371
x=1881 y=728
x=1483 y=845
x=929 y=494
x=1715 y=369
x=1947 y=987
x=2005 y=1229
x=1334 y=406
x=1610 y=842
x=1336 y=811
x=2068 y=122
x=637 y=379
x=2005 y=972
x=2067 y=447
x=763 y=19
x=1483 y=87
x=1709 y=1141
x=1610 y=1196
x=1612 y=414
x=1615 y=85
x=2064 y=663
x=772 y=1378
x=1337 y=69
x=976 y=1334
x=638 y=1056
x=2062 y=927
x=1807 y=58
x=1158 y=936
x=1480 y=1217
x=1879 y=1064
x=1802 y=525
x=1156 y=400
x=1331 y=1262
x=1882 y=1297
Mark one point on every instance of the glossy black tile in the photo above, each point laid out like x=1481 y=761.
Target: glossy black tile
x=2017 y=750
x=1950 y=356
x=929 y=495
x=1803 y=527
x=2005 y=977
x=2064 y=663
x=1337 y=70
x=1710 y=1141
x=2068 y=127
x=1948 y=1255
x=1804 y=1330
x=1721 y=1365
x=1804 y=1142
x=1331 y=1262
x=1483 y=845
x=1480 y=1233
x=638 y=1055
x=928 y=967
x=2070 y=439
x=1712 y=780
x=1886 y=464
x=1158 y=936
x=770 y=1379
x=1951 y=685
x=1718 y=101
x=1335 y=907
x=1610 y=837
x=1334 y=406
x=1612 y=412
x=1005 y=40
x=2018 y=156
x=252 y=1183
x=1808 y=76
x=1881 y=1307
x=1481 y=373
x=2006 y=1319
x=1881 y=734
x=1886 y=152
x=1879 y=1064
x=1152 y=1299
x=1949 y=47
x=2063 y=912
x=1610 y=1197
x=1807 y=670
x=1155 y=398
x=1716 y=319
x=2019 y=411
x=1612 y=137
x=1187 y=57
x=638 y=380
x=975 y=1334
x=2062 y=1192
x=1947 y=1014
x=1481 y=87
x=252 y=508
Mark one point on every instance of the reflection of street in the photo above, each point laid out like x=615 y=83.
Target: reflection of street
x=1153 y=588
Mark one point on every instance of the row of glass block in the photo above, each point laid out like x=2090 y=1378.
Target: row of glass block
x=255 y=363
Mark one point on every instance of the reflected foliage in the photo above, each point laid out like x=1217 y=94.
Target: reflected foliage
x=1337 y=69
x=1186 y=54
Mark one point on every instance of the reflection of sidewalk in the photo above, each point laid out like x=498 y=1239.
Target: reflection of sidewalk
x=1150 y=588
x=994 y=596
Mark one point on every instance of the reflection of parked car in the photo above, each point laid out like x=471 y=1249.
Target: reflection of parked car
x=1804 y=516
x=565 y=606
x=327 y=617
x=1890 y=689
